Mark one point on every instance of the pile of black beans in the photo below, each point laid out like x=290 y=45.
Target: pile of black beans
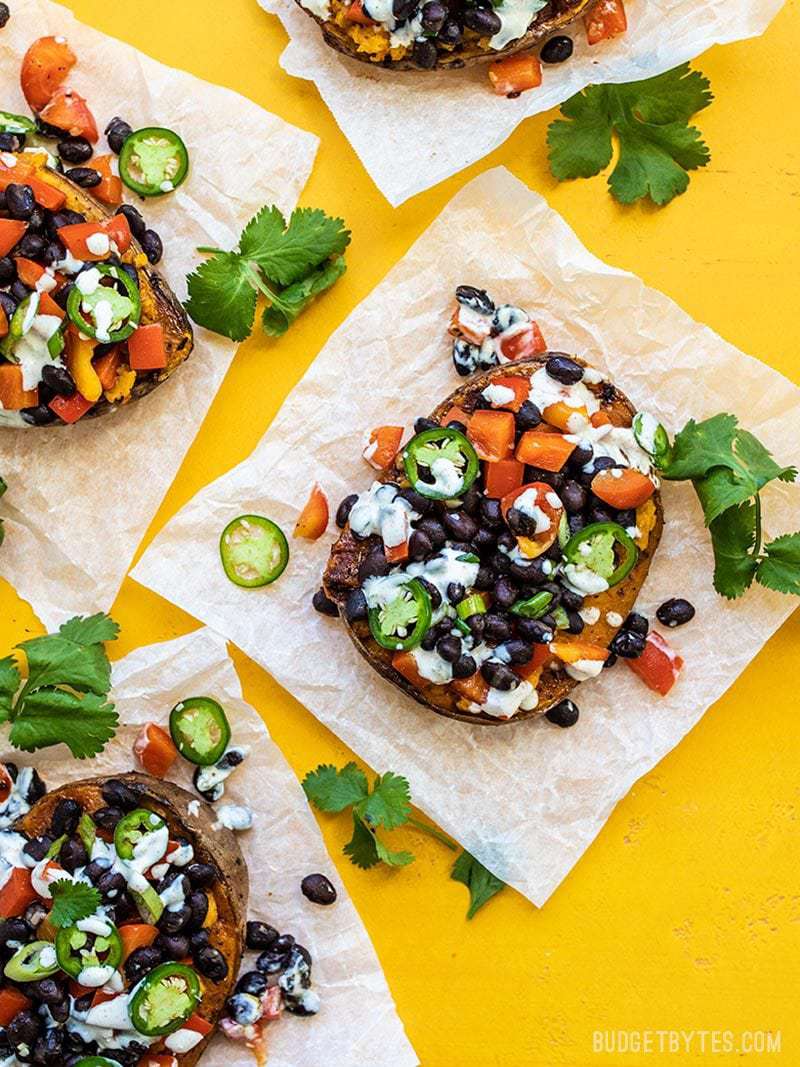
x=278 y=954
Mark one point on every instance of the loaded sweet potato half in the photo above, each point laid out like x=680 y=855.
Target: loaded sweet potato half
x=427 y=34
x=494 y=564
x=123 y=912
x=86 y=324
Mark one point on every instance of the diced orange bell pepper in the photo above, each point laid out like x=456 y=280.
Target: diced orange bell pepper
x=523 y=342
x=382 y=446
x=107 y=368
x=48 y=306
x=102 y=997
x=146 y=349
x=606 y=19
x=12 y=1002
x=155 y=749
x=626 y=488
x=109 y=191
x=396 y=553
x=560 y=414
x=515 y=74
x=17 y=893
x=45 y=195
x=44 y=67
x=3 y=321
x=70 y=408
x=6 y=783
x=12 y=396
x=475 y=688
x=11 y=231
x=520 y=387
x=313 y=520
x=572 y=651
x=659 y=665
x=549 y=451
x=502 y=477
x=136 y=935
x=454 y=414
x=469 y=325
x=28 y=271
x=600 y=418
x=492 y=434
x=356 y=13
x=405 y=664
x=68 y=111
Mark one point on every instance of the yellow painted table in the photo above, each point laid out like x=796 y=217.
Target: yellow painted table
x=685 y=914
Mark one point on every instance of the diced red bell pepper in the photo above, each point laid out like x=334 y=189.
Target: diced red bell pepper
x=107 y=368
x=313 y=520
x=75 y=236
x=17 y=893
x=102 y=997
x=146 y=349
x=28 y=271
x=45 y=195
x=11 y=231
x=382 y=446
x=569 y=651
x=3 y=321
x=119 y=230
x=454 y=414
x=198 y=1024
x=512 y=76
x=523 y=342
x=502 y=477
x=563 y=417
x=492 y=434
x=6 y=783
x=396 y=553
x=622 y=489
x=549 y=451
x=48 y=306
x=44 y=67
x=68 y=111
x=405 y=664
x=605 y=20
x=520 y=387
x=12 y=1002
x=659 y=665
x=136 y=935
x=12 y=396
x=356 y=13
x=109 y=191
x=155 y=749
x=475 y=688
x=70 y=408
x=158 y=1059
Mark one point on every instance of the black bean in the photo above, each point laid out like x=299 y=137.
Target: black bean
x=500 y=563
x=374 y=565
x=477 y=299
x=455 y=592
x=135 y=221
x=211 y=963
x=425 y=54
x=65 y=817
x=73 y=854
x=47 y=990
x=53 y=253
x=284 y=943
x=563 y=714
x=344 y=509
x=32 y=246
x=499 y=675
x=434 y=531
x=419 y=545
x=421 y=424
x=485 y=577
x=483 y=20
x=75 y=150
x=518 y=651
x=536 y=631
x=484 y=540
x=49 y=1048
x=433 y=593
x=172 y=946
x=581 y=455
x=449 y=648
x=528 y=416
x=272 y=962
x=626 y=518
x=637 y=624
x=260 y=935
x=450 y=33
x=34 y=913
x=19 y=201
x=476 y=624
x=576 y=623
x=571 y=601
x=37 y=220
x=496 y=628
x=23 y=1028
x=675 y=612
x=58 y=379
x=456 y=424
x=38 y=847
x=490 y=512
x=201 y=875
x=11 y=142
x=432 y=16
x=5 y=15
x=603 y=463
x=172 y=922
x=611 y=659
x=324 y=605
x=41 y=415
x=464 y=667
x=111 y=885
x=318 y=889
x=141 y=961
x=556 y=50
x=355 y=607
x=117 y=132
x=8 y=270
x=573 y=497
x=86 y=177
x=107 y=818
x=198 y=904
x=506 y=540
x=119 y=795
x=628 y=644
x=598 y=514
x=15 y=930
x=96 y=869
x=152 y=246
x=504 y=593
x=252 y=982
x=564 y=369
x=19 y=292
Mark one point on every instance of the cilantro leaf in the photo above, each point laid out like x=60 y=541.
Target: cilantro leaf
x=222 y=296
x=53 y=660
x=649 y=118
x=780 y=568
x=361 y=848
x=72 y=901
x=264 y=230
x=90 y=630
x=482 y=884
x=9 y=684
x=51 y=716
x=294 y=300
x=389 y=803
x=332 y=790
x=391 y=858
x=310 y=238
x=733 y=536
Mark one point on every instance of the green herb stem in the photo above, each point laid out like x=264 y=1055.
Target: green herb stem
x=432 y=831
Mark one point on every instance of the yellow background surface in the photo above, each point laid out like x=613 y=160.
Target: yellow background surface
x=685 y=913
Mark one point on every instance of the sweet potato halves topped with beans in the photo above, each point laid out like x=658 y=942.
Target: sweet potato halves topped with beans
x=489 y=570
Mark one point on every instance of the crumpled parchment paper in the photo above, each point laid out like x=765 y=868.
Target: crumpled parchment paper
x=358 y=1023
x=413 y=130
x=526 y=798
x=81 y=497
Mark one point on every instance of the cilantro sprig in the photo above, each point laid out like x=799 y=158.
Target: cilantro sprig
x=650 y=120
x=72 y=901
x=289 y=264
x=728 y=468
x=64 y=697
x=387 y=806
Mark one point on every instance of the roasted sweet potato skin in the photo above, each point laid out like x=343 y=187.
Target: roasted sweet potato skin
x=341 y=573
x=212 y=844
x=557 y=14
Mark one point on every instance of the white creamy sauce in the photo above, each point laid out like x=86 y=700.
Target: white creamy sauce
x=98 y=244
x=182 y=1040
x=527 y=503
x=150 y=848
x=320 y=8
x=647 y=425
x=31 y=350
x=405 y=35
x=590 y=615
x=432 y=667
x=183 y=854
x=613 y=618
x=236 y=817
x=69 y=264
x=88 y=281
x=441 y=570
x=211 y=777
x=193 y=807
x=546 y=391
x=584 y=669
x=447 y=478
x=584 y=581
x=174 y=896
x=503 y=704
x=11 y=854
x=16 y=802
x=381 y=511
x=94 y=977
x=497 y=395
x=616 y=442
x=103 y=318
x=515 y=16
x=94 y=925
x=592 y=376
